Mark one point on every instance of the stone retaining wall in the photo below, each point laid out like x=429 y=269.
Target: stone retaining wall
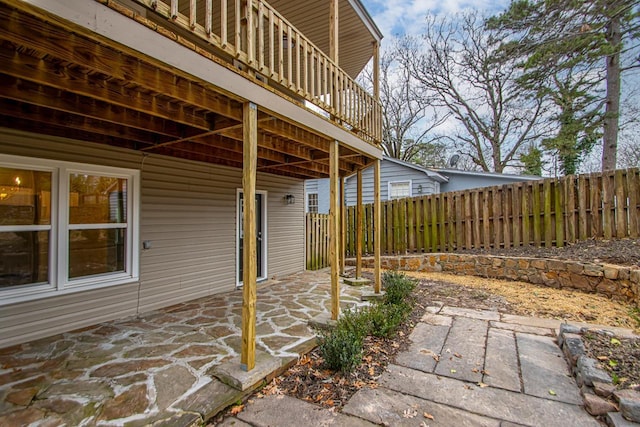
x=614 y=281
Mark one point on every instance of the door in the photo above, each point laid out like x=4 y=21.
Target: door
x=261 y=235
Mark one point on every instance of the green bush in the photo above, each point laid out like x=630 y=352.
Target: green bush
x=397 y=287
x=341 y=349
x=386 y=318
x=355 y=322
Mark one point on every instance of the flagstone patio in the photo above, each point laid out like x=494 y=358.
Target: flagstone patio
x=156 y=367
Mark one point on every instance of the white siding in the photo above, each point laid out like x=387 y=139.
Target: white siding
x=188 y=212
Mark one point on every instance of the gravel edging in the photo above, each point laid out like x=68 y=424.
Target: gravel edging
x=600 y=396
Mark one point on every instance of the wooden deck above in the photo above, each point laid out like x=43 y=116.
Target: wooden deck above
x=60 y=78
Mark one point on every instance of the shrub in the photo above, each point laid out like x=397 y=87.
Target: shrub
x=386 y=318
x=397 y=287
x=341 y=349
x=355 y=322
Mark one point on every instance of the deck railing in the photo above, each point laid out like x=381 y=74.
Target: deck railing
x=254 y=33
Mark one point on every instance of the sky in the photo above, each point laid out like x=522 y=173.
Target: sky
x=399 y=17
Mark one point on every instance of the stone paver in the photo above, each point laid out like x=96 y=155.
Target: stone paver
x=390 y=408
x=462 y=356
x=467 y=312
x=490 y=402
x=545 y=372
x=285 y=411
x=425 y=349
x=501 y=363
x=156 y=367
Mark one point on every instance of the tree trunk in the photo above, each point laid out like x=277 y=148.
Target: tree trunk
x=612 y=112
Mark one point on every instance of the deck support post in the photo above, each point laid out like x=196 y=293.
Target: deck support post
x=377 y=224
x=333 y=30
x=249 y=261
x=334 y=228
x=343 y=228
x=359 y=225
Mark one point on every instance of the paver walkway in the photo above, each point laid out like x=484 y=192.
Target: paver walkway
x=463 y=368
x=156 y=367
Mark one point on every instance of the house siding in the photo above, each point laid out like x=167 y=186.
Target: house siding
x=321 y=187
x=458 y=181
x=187 y=211
x=389 y=172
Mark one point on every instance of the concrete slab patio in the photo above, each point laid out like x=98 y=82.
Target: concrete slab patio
x=157 y=367
x=463 y=368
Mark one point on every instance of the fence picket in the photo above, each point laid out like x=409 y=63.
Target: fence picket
x=550 y=212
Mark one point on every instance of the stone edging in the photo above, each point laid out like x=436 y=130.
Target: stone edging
x=614 y=281
x=595 y=384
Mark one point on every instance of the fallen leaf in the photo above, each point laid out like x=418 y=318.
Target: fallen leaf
x=372 y=371
x=482 y=385
x=484 y=372
x=401 y=333
x=409 y=413
x=458 y=355
x=603 y=358
x=468 y=387
x=552 y=393
x=613 y=363
x=453 y=371
x=329 y=402
x=235 y=410
x=475 y=370
x=615 y=341
x=436 y=357
x=427 y=415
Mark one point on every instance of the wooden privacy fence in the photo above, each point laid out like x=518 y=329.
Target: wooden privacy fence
x=549 y=212
x=317 y=241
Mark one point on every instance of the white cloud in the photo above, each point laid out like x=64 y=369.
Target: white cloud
x=398 y=17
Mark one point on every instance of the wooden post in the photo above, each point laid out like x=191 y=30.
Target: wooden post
x=343 y=228
x=249 y=165
x=377 y=223
x=359 y=221
x=334 y=229
x=333 y=31
x=376 y=70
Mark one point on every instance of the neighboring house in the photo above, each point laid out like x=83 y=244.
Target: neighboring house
x=403 y=179
x=466 y=180
x=398 y=179
x=130 y=130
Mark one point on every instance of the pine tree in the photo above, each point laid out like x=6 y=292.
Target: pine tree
x=561 y=38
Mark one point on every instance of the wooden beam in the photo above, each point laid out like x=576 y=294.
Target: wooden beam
x=334 y=30
x=216 y=131
x=343 y=228
x=17 y=110
x=377 y=224
x=359 y=224
x=79 y=46
x=43 y=96
x=249 y=253
x=43 y=72
x=376 y=70
x=334 y=230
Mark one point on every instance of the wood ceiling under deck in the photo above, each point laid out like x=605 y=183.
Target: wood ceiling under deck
x=57 y=79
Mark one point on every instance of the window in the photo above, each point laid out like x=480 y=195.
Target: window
x=65 y=227
x=399 y=189
x=312 y=202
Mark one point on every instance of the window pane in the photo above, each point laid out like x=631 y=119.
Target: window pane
x=97 y=199
x=96 y=251
x=24 y=258
x=399 y=189
x=25 y=197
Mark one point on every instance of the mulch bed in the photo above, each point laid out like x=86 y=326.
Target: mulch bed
x=310 y=381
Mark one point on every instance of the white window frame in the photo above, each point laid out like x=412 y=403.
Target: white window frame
x=317 y=202
x=390 y=183
x=59 y=283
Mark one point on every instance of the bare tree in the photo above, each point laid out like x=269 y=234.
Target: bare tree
x=454 y=63
x=409 y=121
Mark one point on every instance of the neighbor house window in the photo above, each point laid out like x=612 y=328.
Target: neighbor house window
x=312 y=202
x=399 y=189
x=65 y=226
